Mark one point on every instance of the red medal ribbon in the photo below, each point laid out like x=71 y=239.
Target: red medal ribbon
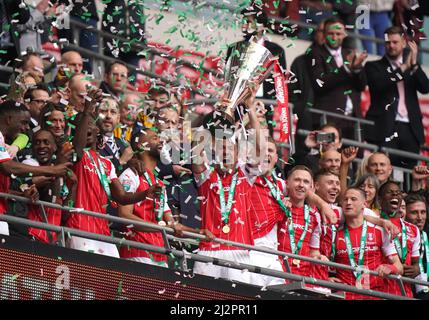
x=282 y=102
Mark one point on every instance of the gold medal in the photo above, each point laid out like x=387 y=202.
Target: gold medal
x=296 y=262
x=226 y=229
x=162 y=223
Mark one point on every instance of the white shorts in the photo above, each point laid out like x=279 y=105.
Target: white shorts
x=149 y=261
x=266 y=260
x=215 y=271
x=4 y=228
x=94 y=246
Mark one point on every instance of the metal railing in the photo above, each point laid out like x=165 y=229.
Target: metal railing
x=166 y=231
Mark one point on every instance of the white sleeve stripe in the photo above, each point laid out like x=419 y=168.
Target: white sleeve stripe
x=415 y=252
x=202 y=177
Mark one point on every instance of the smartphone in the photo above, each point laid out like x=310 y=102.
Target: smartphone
x=323 y=137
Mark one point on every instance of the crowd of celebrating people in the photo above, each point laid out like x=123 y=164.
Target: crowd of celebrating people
x=104 y=147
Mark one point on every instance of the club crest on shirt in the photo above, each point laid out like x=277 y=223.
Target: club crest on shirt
x=371 y=237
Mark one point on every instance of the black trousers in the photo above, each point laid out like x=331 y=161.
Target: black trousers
x=405 y=141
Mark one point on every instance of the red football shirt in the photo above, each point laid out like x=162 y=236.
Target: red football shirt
x=239 y=218
x=413 y=246
x=312 y=234
x=146 y=211
x=377 y=247
x=319 y=271
x=53 y=216
x=265 y=212
x=91 y=195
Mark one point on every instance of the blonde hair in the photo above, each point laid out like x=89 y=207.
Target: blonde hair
x=361 y=171
x=19 y=87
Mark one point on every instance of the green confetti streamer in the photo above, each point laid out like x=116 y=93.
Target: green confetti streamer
x=119 y=288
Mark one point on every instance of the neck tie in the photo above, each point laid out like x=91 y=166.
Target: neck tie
x=338 y=58
x=110 y=141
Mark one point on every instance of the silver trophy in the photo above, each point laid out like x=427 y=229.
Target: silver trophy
x=248 y=65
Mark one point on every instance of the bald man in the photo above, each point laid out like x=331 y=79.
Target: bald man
x=73 y=60
x=32 y=62
x=379 y=164
x=71 y=64
x=129 y=108
x=330 y=159
x=77 y=89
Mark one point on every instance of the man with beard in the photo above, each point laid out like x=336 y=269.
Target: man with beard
x=182 y=192
x=128 y=110
x=337 y=76
x=407 y=243
x=152 y=209
x=35 y=99
x=361 y=244
x=50 y=189
x=416 y=213
x=394 y=83
x=115 y=149
x=98 y=184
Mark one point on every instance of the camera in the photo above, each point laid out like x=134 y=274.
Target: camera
x=323 y=137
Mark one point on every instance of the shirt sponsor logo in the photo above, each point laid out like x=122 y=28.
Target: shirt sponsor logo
x=356 y=250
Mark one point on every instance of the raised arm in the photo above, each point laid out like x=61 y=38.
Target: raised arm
x=419 y=174
x=91 y=100
x=327 y=213
x=253 y=119
x=347 y=156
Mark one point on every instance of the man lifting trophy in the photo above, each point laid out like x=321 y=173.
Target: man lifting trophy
x=246 y=68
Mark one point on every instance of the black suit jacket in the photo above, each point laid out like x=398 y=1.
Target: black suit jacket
x=384 y=99
x=134 y=25
x=21 y=16
x=108 y=153
x=331 y=96
x=277 y=51
x=301 y=92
